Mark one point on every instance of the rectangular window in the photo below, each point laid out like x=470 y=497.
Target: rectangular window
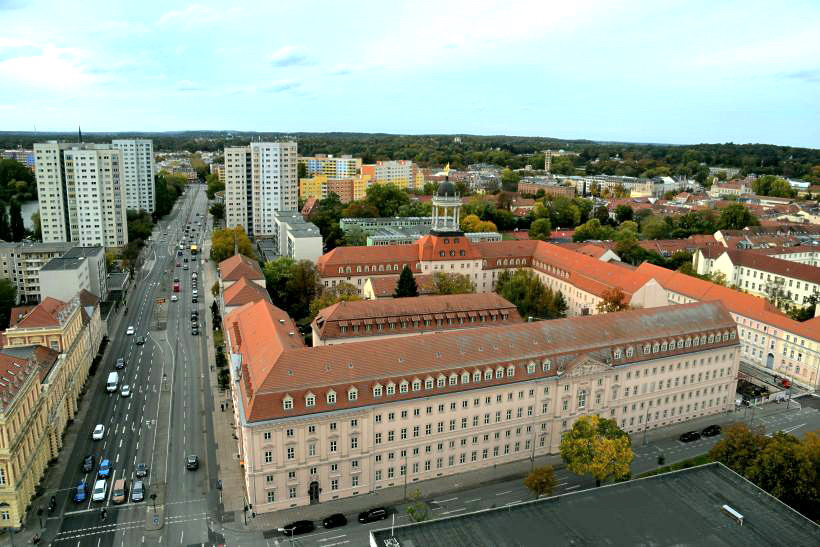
x=268 y=456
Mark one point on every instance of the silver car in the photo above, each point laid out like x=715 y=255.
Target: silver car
x=137 y=491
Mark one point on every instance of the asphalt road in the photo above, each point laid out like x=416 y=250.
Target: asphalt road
x=166 y=372
x=510 y=492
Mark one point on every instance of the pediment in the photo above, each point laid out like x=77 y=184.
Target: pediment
x=586 y=366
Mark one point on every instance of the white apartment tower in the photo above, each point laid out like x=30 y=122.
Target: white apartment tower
x=138 y=173
x=81 y=193
x=260 y=179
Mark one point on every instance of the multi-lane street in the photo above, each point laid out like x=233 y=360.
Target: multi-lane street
x=165 y=418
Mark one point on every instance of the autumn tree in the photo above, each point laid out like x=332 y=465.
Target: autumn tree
x=597 y=446
x=452 y=283
x=417 y=510
x=406 y=285
x=225 y=243
x=612 y=300
x=329 y=296
x=738 y=447
x=541 y=481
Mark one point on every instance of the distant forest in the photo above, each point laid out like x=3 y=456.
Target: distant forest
x=506 y=151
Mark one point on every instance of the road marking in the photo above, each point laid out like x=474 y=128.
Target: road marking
x=561 y=484
x=331 y=538
x=573 y=487
x=504 y=492
x=454 y=510
x=512 y=502
x=444 y=501
x=472 y=500
x=120 y=444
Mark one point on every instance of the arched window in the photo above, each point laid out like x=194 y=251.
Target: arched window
x=663 y=346
x=655 y=347
x=287 y=402
x=647 y=349
x=331 y=397
x=465 y=377
x=617 y=353
x=352 y=394
x=695 y=341
x=546 y=365
x=530 y=367
x=711 y=338
x=453 y=379
x=702 y=339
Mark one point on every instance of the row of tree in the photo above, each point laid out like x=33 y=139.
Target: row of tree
x=16 y=182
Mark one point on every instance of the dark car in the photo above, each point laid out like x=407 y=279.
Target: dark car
x=192 y=462
x=298 y=527
x=140 y=340
x=193 y=300
x=689 y=436
x=371 y=515
x=120 y=363
x=194 y=331
x=80 y=492
x=88 y=464
x=334 y=520
x=710 y=430
x=141 y=470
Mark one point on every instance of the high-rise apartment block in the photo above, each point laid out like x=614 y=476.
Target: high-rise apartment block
x=138 y=173
x=331 y=166
x=260 y=179
x=81 y=193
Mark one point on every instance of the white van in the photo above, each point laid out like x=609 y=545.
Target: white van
x=113 y=382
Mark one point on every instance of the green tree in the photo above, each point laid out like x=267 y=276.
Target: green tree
x=417 y=510
x=329 y=296
x=5 y=229
x=218 y=211
x=623 y=213
x=386 y=199
x=736 y=217
x=8 y=299
x=540 y=229
x=37 y=233
x=225 y=243
x=612 y=300
x=213 y=185
x=452 y=283
x=18 y=228
x=301 y=170
x=738 y=447
x=598 y=447
x=509 y=180
x=654 y=227
x=541 y=481
x=406 y=285
x=215 y=289
x=360 y=209
x=532 y=298
x=326 y=217
x=292 y=286
x=277 y=273
x=784 y=469
x=355 y=236
x=770 y=185
x=592 y=229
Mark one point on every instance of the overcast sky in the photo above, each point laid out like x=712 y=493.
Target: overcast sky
x=654 y=71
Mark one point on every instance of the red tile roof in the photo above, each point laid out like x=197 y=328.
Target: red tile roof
x=467 y=310
x=239 y=266
x=14 y=371
x=43 y=314
x=243 y=292
x=385 y=286
x=271 y=372
x=778 y=266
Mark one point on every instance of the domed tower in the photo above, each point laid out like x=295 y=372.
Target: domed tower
x=446 y=209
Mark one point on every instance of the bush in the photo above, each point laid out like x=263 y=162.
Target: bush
x=224 y=377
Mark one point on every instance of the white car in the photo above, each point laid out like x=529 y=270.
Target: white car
x=125 y=390
x=98 y=494
x=98 y=433
x=130 y=331
x=174 y=298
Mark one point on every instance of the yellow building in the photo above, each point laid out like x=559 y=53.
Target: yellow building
x=348 y=189
x=333 y=167
x=400 y=173
x=312 y=187
x=53 y=337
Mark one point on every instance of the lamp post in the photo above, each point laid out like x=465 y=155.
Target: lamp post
x=405 y=474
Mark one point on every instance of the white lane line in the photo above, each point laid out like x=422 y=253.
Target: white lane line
x=573 y=487
x=455 y=510
x=472 y=500
x=120 y=443
x=504 y=492
x=331 y=538
x=511 y=502
x=444 y=501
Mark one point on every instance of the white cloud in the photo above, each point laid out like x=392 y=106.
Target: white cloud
x=290 y=56
x=44 y=65
x=196 y=14
x=280 y=86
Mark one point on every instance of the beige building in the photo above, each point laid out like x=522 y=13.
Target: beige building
x=324 y=423
x=21 y=262
x=760 y=274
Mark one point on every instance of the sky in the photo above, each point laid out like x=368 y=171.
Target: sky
x=635 y=71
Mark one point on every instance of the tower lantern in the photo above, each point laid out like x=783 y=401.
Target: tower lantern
x=446 y=208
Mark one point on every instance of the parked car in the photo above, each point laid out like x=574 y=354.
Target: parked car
x=137 y=491
x=192 y=462
x=298 y=527
x=98 y=433
x=80 y=492
x=105 y=469
x=689 y=436
x=372 y=515
x=185 y=267
x=141 y=340
x=98 y=494
x=334 y=520
x=88 y=464
x=141 y=470
x=711 y=430
x=120 y=363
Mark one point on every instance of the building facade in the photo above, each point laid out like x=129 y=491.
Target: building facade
x=20 y=263
x=138 y=173
x=333 y=167
x=348 y=189
x=81 y=193
x=62 y=278
x=324 y=423
x=260 y=179
x=400 y=173
x=295 y=237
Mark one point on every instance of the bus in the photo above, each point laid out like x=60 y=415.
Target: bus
x=194 y=249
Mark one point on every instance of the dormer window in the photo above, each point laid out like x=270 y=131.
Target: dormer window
x=510 y=371
x=499 y=373
x=391 y=388
x=546 y=365
x=441 y=381
x=530 y=367
x=703 y=339
x=352 y=394
x=663 y=346
x=310 y=400
x=477 y=376
x=453 y=379
x=695 y=341
x=688 y=342
x=417 y=385
x=331 y=397
x=465 y=378
x=287 y=403
x=428 y=383
x=680 y=344
x=617 y=354
x=377 y=391
x=403 y=386
x=630 y=352
x=711 y=338
x=647 y=349
x=655 y=347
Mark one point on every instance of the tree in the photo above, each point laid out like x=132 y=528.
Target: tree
x=612 y=300
x=509 y=180
x=18 y=228
x=215 y=289
x=5 y=229
x=277 y=273
x=406 y=285
x=329 y=296
x=541 y=229
x=225 y=243
x=738 y=447
x=303 y=285
x=8 y=299
x=623 y=213
x=360 y=209
x=355 y=236
x=532 y=298
x=452 y=283
x=654 y=227
x=597 y=446
x=386 y=199
x=213 y=185
x=218 y=211
x=417 y=510
x=541 y=481
x=592 y=229
x=770 y=185
x=736 y=217
x=37 y=233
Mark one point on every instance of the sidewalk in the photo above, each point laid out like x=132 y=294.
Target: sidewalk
x=471 y=479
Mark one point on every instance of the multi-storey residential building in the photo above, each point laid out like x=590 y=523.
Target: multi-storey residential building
x=260 y=179
x=360 y=320
x=62 y=278
x=26 y=157
x=218 y=169
x=81 y=193
x=400 y=173
x=21 y=262
x=334 y=167
x=138 y=173
x=56 y=335
x=348 y=189
x=295 y=237
x=329 y=422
